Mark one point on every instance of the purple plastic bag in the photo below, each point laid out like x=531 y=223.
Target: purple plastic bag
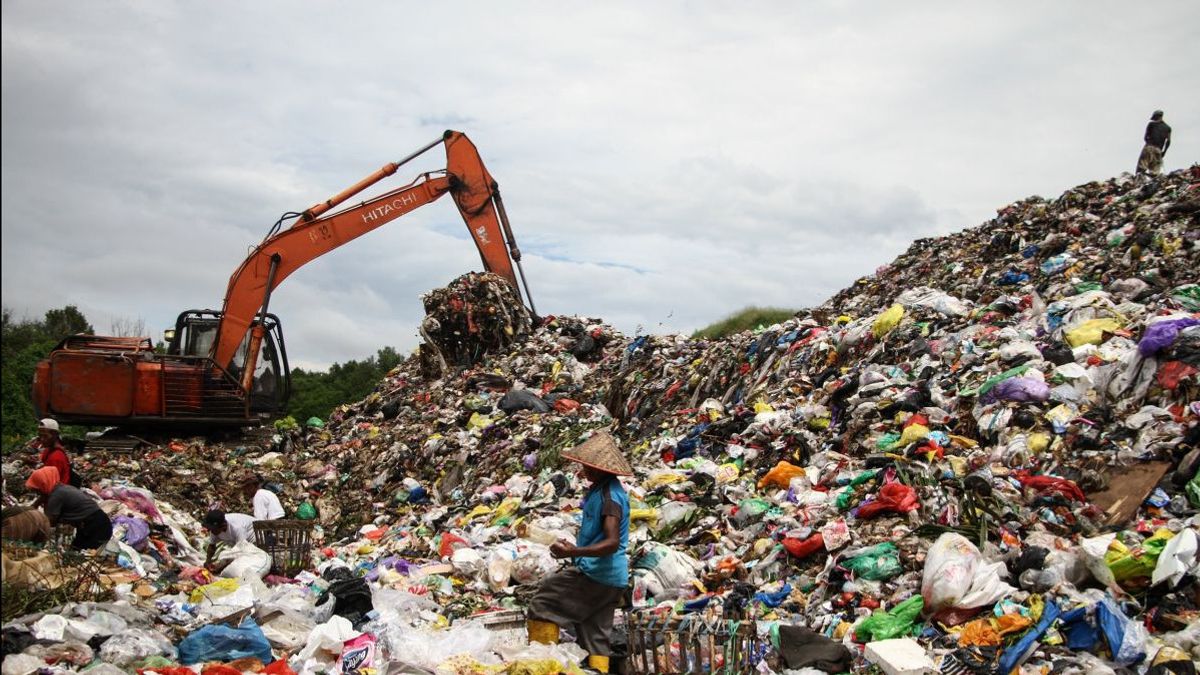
x=1160 y=335
x=137 y=531
x=1023 y=389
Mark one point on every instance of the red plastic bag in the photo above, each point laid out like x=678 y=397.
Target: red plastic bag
x=893 y=497
x=451 y=542
x=220 y=669
x=1051 y=484
x=278 y=667
x=1172 y=372
x=802 y=548
x=566 y=405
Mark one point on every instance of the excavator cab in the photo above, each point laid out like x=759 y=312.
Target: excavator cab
x=195 y=333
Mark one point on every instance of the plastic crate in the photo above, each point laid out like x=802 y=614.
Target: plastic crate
x=690 y=644
x=288 y=541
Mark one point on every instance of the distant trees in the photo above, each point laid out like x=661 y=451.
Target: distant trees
x=24 y=342
x=316 y=394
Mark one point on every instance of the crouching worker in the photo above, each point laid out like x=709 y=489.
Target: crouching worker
x=225 y=528
x=586 y=595
x=68 y=504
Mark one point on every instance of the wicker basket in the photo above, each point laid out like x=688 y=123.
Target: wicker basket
x=288 y=541
x=690 y=644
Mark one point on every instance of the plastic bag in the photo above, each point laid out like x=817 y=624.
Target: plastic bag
x=287 y=630
x=877 y=563
x=1126 y=639
x=802 y=548
x=887 y=320
x=500 y=566
x=522 y=399
x=1161 y=334
x=1176 y=558
x=219 y=642
x=247 y=561
x=956 y=576
x=1021 y=389
x=781 y=475
x=306 y=511
x=358 y=656
x=1091 y=332
x=135 y=644
x=1137 y=562
x=887 y=625
x=893 y=497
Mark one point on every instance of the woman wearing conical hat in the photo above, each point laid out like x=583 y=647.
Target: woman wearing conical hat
x=586 y=595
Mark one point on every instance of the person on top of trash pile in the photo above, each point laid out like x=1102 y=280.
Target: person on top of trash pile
x=266 y=503
x=51 y=451
x=68 y=504
x=586 y=595
x=25 y=523
x=1158 y=139
x=226 y=528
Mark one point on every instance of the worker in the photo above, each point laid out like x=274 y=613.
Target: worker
x=25 y=523
x=51 y=451
x=68 y=504
x=225 y=528
x=586 y=595
x=1158 y=139
x=265 y=502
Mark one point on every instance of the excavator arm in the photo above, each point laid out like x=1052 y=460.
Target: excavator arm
x=475 y=193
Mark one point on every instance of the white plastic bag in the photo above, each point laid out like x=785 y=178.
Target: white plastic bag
x=248 y=561
x=500 y=566
x=957 y=576
x=287 y=630
x=1177 y=558
x=468 y=563
x=135 y=644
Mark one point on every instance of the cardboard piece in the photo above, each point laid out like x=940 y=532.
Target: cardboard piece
x=1128 y=487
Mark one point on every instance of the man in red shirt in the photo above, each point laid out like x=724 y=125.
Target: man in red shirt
x=51 y=450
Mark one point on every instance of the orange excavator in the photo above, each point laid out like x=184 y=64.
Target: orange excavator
x=229 y=367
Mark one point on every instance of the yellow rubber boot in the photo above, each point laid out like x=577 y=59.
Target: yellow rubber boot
x=598 y=663
x=544 y=632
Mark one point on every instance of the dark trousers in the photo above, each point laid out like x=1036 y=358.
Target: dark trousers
x=571 y=598
x=92 y=532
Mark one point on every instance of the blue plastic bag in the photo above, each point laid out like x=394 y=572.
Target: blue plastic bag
x=218 y=642
x=1126 y=639
x=1018 y=652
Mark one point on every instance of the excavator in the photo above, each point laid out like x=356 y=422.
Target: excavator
x=229 y=368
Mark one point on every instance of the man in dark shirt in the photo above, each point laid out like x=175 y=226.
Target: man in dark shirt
x=68 y=504
x=1158 y=139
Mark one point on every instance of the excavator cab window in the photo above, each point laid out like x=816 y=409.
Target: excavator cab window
x=195 y=334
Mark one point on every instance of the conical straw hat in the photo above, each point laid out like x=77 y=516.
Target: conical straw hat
x=600 y=452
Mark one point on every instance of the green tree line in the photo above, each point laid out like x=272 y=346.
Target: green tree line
x=317 y=393
x=25 y=341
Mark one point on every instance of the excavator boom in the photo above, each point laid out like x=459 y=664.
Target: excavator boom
x=230 y=366
x=475 y=194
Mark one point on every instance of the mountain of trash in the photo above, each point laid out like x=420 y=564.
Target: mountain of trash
x=983 y=457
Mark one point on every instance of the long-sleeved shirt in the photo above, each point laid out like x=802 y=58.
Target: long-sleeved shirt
x=1158 y=134
x=266 y=505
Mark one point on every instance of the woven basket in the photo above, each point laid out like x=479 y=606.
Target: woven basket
x=690 y=645
x=288 y=541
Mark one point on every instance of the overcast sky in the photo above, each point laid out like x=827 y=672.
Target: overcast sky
x=663 y=164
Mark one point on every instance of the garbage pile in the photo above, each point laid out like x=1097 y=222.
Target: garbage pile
x=985 y=456
x=476 y=314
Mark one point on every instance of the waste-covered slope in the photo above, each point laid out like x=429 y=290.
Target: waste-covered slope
x=1001 y=423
